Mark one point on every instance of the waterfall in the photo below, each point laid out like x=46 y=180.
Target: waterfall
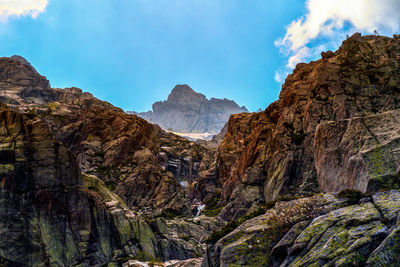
x=200 y=208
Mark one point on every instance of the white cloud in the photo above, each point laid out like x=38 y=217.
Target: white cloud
x=328 y=18
x=33 y=8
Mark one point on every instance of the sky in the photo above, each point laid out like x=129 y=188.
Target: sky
x=131 y=53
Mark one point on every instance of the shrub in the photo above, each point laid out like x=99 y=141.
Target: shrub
x=257 y=212
x=213 y=212
x=212 y=209
x=184 y=237
x=3 y=262
x=52 y=107
x=212 y=203
x=171 y=213
x=215 y=236
x=353 y=196
x=271 y=204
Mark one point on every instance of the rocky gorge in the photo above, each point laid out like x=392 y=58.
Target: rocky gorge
x=311 y=181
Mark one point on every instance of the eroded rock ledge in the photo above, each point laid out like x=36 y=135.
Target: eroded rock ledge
x=316 y=231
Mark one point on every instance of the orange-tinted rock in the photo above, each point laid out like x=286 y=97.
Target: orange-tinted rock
x=272 y=152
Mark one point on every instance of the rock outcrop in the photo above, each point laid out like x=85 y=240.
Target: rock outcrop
x=333 y=129
x=186 y=111
x=322 y=230
x=277 y=151
x=361 y=153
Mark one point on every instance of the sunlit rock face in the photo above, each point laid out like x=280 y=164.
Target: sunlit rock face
x=361 y=153
x=186 y=111
x=296 y=145
x=333 y=129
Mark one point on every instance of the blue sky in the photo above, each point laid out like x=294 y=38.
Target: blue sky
x=133 y=52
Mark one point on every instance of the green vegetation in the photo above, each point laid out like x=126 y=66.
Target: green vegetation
x=140 y=256
x=111 y=185
x=353 y=196
x=270 y=204
x=3 y=262
x=171 y=213
x=257 y=212
x=212 y=209
x=215 y=236
x=53 y=106
x=184 y=237
x=213 y=212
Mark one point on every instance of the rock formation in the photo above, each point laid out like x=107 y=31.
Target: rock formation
x=333 y=129
x=311 y=181
x=186 y=111
x=84 y=183
x=322 y=230
x=294 y=146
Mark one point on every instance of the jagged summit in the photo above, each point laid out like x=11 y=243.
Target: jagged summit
x=22 y=60
x=21 y=83
x=187 y=111
x=183 y=90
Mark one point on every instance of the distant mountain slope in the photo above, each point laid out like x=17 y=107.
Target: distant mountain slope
x=187 y=111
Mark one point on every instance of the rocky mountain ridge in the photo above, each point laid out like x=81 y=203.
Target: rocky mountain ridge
x=94 y=185
x=186 y=111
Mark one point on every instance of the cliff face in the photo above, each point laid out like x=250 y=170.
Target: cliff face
x=294 y=147
x=186 y=111
x=85 y=183
x=334 y=127
x=131 y=156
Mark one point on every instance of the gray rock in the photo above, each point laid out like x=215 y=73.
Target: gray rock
x=361 y=153
x=186 y=111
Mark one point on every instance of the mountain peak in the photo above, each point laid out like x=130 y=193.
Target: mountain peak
x=187 y=111
x=185 y=94
x=182 y=88
x=22 y=60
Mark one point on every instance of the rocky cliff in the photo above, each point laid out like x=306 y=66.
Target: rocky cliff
x=186 y=111
x=84 y=183
x=333 y=129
